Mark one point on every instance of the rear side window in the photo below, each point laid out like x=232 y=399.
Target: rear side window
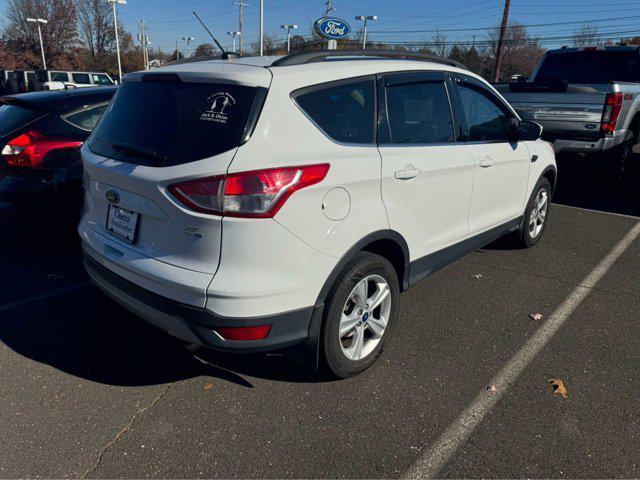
x=486 y=120
x=59 y=77
x=172 y=123
x=345 y=112
x=81 y=78
x=87 y=118
x=419 y=113
x=591 y=67
x=13 y=117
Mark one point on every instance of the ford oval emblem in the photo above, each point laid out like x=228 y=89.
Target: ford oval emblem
x=112 y=196
x=332 y=28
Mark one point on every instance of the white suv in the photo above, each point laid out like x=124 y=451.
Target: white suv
x=262 y=204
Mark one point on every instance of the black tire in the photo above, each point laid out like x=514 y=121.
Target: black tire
x=619 y=157
x=332 y=358
x=525 y=237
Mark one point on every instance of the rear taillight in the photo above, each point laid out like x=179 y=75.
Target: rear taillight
x=30 y=149
x=611 y=112
x=256 y=194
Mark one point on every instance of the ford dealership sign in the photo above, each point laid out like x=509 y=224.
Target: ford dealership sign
x=333 y=28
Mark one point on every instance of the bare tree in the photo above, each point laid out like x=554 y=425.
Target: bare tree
x=97 y=36
x=205 y=50
x=586 y=35
x=59 y=34
x=522 y=52
x=439 y=44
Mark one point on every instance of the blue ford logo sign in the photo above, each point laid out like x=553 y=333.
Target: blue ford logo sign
x=333 y=28
x=112 y=196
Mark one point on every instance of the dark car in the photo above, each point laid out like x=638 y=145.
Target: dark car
x=40 y=138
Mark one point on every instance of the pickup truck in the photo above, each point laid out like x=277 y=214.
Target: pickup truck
x=586 y=99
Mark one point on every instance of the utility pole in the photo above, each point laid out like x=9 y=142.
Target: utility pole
x=366 y=19
x=115 y=27
x=240 y=4
x=177 y=51
x=143 y=37
x=188 y=40
x=38 y=21
x=261 y=28
x=500 y=51
x=288 y=29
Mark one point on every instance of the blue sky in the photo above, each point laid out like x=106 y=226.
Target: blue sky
x=399 y=20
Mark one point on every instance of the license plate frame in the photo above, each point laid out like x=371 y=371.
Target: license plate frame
x=118 y=225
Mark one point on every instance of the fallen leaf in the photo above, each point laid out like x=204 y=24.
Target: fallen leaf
x=558 y=387
x=208 y=386
x=492 y=389
x=535 y=316
x=479 y=275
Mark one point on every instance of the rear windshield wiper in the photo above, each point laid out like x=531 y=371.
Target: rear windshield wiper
x=137 y=151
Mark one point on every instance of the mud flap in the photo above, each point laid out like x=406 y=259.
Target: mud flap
x=307 y=354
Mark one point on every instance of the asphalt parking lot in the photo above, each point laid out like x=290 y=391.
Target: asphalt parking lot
x=89 y=390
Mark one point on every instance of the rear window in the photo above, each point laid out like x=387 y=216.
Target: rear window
x=591 y=67
x=172 y=123
x=344 y=111
x=13 y=117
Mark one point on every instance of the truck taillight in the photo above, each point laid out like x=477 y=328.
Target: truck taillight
x=611 y=112
x=29 y=149
x=255 y=194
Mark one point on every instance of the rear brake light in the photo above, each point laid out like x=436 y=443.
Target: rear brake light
x=244 y=333
x=256 y=194
x=30 y=149
x=611 y=112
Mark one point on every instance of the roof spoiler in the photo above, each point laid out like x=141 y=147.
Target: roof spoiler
x=224 y=56
x=322 y=55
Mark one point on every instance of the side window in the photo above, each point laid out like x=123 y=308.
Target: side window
x=419 y=113
x=345 y=112
x=59 y=77
x=87 y=118
x=101 y=79
x=81 y=78
x=487 y=121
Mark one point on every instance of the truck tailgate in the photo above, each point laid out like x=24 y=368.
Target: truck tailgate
x=575 y=113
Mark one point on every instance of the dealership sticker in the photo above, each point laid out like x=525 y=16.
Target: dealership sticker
x=219 y=105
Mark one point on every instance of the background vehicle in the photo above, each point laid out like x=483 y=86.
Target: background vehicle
x=587 y=99
x=247 y=221
x=40 y=138
x=58 y=80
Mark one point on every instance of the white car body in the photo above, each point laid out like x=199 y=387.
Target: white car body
x=434 y=202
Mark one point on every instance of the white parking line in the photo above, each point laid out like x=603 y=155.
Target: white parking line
x=439 y=454
x=43 y=296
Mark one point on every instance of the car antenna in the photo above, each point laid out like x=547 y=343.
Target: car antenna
x=224 y=52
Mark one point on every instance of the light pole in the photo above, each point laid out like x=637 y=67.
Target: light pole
x=234 y=35
x=38 y=21
x=366 y=19
x=115 y=27
x=261 y=28
x=188 y=40
x=288 y=29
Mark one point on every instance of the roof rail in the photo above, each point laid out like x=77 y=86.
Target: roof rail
x=322 y=55
x=224 y=56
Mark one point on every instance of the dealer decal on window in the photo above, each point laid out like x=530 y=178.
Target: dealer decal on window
x=219 y=105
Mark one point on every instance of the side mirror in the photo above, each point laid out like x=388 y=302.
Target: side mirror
x=529 y=131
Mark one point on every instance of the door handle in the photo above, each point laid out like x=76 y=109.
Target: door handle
x=486 y=162
x=407 y=174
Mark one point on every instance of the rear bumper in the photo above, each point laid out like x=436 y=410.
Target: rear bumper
x=593 y=146
x=195 y=325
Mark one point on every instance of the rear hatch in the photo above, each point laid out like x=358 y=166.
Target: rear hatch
x=162 y=129
x=568 y=92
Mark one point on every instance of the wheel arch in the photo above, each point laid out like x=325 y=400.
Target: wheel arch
x=551 y=174
x=386 y=243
